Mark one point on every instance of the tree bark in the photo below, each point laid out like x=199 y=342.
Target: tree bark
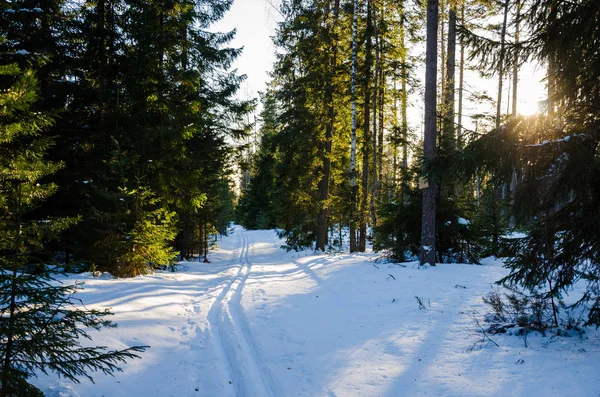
x=374 y=180
x=362 y=245
x=461 y=82
x=515 y=86
x=353 y=185
x=380 y=131
x=501 y=65
x=513 y=183
x=449 y=129
x=404 y=102
x=427 y=254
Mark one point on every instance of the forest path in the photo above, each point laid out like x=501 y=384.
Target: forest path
x=246 y=366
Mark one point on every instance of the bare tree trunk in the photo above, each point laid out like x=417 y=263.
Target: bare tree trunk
x=427 y=254
x=516 y=61
x=442 y=38
x=498 y=118
x=501 y=65
x=380 y=130
x=206 y=241
x=551 y=67
x=374 y=180
x=450 y=138
x=381 y=105
x=513 y=183
x=461 y=82
x=362 y=245
x=353 y=185
x=404 y=102
x=396 y=131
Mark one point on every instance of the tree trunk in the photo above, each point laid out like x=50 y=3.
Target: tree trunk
x=374 y=180
x=404 y=102
x=513 y=183
x=427 y=254
x=449 y=129
x=461 y=82
x=550 y=81
x=380 y=130
x=501 y=66
x=516 y=61
x=366 y=117
x=441 y=19
x=206 y=241
x=353 y=185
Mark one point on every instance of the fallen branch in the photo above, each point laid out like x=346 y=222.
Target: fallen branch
x=485 y=337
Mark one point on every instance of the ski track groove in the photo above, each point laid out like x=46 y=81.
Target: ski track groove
x=247 y=367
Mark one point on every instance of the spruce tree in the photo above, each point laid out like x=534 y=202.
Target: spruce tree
x=41 y=323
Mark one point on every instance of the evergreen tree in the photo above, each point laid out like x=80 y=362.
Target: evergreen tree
x=40 y=321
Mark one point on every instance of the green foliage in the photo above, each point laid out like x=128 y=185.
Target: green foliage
x=556 y=157
x=41 y=324
x=256 y=207
x=137 y=234
x=142 y=117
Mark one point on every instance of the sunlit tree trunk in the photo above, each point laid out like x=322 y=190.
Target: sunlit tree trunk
x=374 y=180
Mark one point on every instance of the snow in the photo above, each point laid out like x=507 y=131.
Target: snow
x=565 y=139
x=22 y=52
x=514 y=235
x=258 y=321
x=463 y=221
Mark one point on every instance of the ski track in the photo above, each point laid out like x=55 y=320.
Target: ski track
x=246 y=365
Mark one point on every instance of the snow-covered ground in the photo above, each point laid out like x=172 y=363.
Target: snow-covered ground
x=258 y=321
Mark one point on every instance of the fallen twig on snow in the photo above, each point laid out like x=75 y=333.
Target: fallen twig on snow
x=485 y=336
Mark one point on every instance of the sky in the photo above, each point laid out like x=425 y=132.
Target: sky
x=255 y=21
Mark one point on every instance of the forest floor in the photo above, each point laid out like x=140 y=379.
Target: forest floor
x=259 y=321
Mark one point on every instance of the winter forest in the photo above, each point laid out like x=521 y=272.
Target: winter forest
x=410 y=206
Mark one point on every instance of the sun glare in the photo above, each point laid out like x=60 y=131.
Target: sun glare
x=528 y=106
x=532 y=90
